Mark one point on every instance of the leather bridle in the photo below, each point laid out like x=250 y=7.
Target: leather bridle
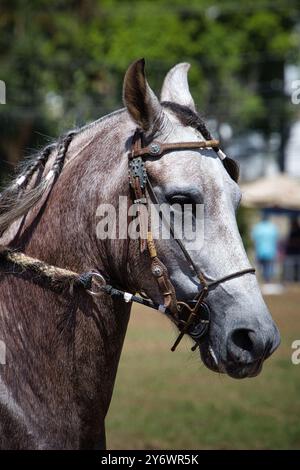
x=190 y=317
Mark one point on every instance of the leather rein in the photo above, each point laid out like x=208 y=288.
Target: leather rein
x=192 y=317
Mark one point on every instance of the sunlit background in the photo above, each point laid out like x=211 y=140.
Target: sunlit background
x=62 y=64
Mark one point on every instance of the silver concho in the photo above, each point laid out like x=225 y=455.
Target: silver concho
x=154 y=149
x=157 y=271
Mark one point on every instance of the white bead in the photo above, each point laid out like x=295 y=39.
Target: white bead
x=127 y=297
x=49 y=175
x=221 y=154
x=20 y=180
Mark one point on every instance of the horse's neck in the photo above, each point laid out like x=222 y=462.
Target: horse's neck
x=66 y=232
x=75 y=369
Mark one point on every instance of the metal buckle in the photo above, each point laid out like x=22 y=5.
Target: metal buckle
x=137 y=170
x=196 y=325
x=100 y=284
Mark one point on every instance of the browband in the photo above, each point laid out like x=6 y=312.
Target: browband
x=156 y=149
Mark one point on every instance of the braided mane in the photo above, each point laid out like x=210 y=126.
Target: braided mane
x=17 y=199
x=20 y=196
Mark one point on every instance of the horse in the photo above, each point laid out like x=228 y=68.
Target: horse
x=63 y=348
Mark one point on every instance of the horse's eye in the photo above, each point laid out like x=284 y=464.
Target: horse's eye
x=180 y=199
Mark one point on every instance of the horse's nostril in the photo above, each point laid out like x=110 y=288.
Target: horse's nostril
x=241 y=338
x=244 y=346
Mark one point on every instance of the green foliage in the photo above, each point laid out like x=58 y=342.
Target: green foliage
x=245 y=222
x=64 y=61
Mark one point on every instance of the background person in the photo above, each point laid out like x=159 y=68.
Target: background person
x=265 y=236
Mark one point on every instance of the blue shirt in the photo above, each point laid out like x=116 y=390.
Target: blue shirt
x=265 y=237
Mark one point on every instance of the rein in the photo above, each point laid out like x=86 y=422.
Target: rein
x=192 y=317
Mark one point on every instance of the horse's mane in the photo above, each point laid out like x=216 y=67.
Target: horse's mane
x=188 y=118
x=193 y=119
x=19 y=197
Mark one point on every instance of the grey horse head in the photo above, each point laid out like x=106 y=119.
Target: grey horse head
x=242 y=333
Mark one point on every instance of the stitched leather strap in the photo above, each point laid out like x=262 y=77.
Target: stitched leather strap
x=165 y=286
x=156 y=149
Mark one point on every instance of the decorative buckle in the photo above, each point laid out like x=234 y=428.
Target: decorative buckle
x=154 y=149
x=137 y=170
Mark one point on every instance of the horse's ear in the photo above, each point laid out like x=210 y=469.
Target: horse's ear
x=140 y=101
x=176 y=87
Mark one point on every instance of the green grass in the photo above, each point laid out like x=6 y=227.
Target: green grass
x=165 y=400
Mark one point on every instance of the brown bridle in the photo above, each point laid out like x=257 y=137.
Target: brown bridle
x=185 y=316
x=192 y=317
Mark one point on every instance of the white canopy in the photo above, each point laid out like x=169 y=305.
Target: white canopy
x=281 y=191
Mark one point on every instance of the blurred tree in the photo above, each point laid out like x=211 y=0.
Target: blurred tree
x=245 y=222
x=63 y=61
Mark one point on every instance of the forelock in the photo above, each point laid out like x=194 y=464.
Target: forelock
x=188 y=117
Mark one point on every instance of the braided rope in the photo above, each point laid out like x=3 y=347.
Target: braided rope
x=46 y=275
